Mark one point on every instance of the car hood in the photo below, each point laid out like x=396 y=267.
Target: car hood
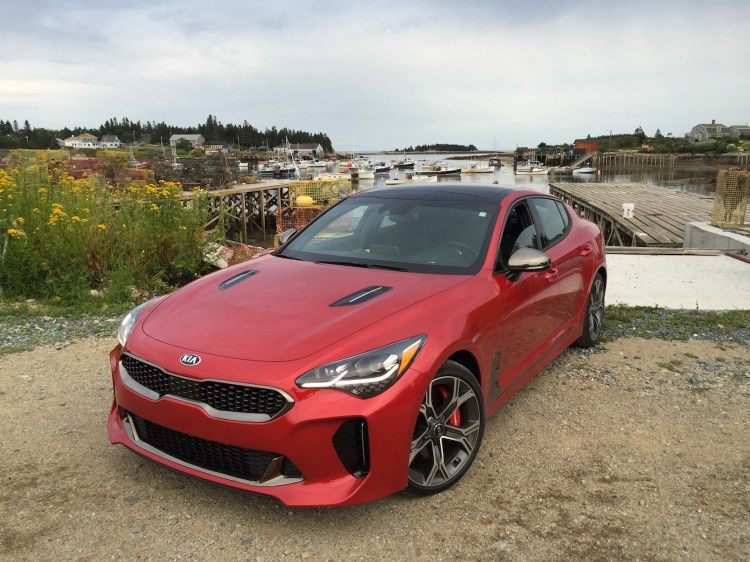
x=275 y=309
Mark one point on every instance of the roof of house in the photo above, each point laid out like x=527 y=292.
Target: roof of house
x=186 y=137
x=305 y=146
x=110 y=138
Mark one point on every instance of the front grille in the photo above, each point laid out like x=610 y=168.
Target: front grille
x=222 y=396
x=228 y=460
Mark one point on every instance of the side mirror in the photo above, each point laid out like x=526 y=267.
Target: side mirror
x=529 y=259
x=286 y=235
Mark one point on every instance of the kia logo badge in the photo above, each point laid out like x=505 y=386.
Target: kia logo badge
x=190 y=360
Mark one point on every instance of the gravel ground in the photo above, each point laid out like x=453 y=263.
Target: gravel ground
x=638 y=450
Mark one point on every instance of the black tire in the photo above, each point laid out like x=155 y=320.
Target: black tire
x=448 y=433
x=594 y=317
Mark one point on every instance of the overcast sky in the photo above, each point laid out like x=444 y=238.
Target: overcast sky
x=382 y=74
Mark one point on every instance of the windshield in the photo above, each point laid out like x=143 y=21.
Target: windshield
x=446 y=236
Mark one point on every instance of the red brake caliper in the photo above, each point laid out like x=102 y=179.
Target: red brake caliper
x=455 y=419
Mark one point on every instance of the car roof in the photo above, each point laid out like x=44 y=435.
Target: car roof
x=442 y=191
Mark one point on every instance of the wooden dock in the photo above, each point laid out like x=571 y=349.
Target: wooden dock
x=659 y=216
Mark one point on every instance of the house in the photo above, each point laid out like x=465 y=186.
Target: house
x=706 y=131
x=84 y=140
x=740 y=131
x=214 y=146
x=584 y=146
x=87 y=140
x=299 y=150
x=196 y=141
x=110 y=141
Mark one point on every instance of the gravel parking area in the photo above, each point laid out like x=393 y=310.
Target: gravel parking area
x=637 y=450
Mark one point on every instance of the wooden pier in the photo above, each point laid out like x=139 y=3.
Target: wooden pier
x=241 y=207
x=659 y=215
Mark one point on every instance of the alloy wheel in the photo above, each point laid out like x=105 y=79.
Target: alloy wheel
x=447 y=434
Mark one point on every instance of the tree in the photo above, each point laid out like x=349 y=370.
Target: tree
x=640 y=134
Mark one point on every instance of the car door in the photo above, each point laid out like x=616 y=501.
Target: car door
x=567 y=257
x=526 y=301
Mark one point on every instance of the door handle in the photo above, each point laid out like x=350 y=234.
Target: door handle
x=550 y=275
x=586 y=250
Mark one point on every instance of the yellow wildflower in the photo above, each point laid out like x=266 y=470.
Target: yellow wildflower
x=75 y=218
x=15 y=233
x=36 y=210
x=20 y=220
x=85 y=210
x=102 y=227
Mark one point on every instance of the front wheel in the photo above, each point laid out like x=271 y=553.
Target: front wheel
x=448 y=432
x=594 y=319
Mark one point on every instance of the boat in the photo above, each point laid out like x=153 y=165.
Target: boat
x=438 y=168
x=381 y=167
x=412 y=177
x=531 y=167
x=361 y=171
x=405 y=164
x=583 y=170
x=277 y=169
x=477 y=168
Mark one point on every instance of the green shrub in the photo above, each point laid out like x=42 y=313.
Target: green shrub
x=61 y=237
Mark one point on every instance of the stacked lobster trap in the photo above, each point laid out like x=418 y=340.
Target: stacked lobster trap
x=306 y=199
x=730 y=204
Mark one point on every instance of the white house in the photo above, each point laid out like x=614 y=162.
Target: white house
x=87 y=140
x=714 y=130
x=110 y=141
x=84 y=140
x=314 y=150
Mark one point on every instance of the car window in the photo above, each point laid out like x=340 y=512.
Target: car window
x=421 y=235
x=519 y=231
x=552 y=222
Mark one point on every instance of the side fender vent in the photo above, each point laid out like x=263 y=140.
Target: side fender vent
x=232 y=281
x=362 y=295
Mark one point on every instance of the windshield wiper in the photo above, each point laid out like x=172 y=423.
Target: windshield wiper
x=361 y=264
x=287 y=257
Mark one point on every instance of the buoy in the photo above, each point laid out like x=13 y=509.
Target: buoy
x=304 y=201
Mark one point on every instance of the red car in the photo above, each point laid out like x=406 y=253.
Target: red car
x=363 y=356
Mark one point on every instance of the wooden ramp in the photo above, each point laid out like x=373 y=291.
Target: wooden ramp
x=659 y=216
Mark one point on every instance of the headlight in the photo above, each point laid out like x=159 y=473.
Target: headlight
x=366 y=375
x=129 y=321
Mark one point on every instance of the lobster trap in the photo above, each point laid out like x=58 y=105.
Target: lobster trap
x=730 y=204
x=306 y=199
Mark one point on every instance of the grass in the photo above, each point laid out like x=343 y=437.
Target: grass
x=654 y=322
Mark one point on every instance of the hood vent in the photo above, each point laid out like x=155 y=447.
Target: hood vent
x=362 y=295
x=232 y=281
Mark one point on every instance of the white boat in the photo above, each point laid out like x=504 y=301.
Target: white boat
x=477 y=168
x=531 y=167
x=583 y=170
x=361 y=172
x=438 y=168
x=412 y=177
x=405 y=164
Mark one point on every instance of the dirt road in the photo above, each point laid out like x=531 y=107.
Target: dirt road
x=640 y=450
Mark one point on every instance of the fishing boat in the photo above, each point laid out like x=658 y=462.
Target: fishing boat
x=438 y=168
x=531 y=167
x=477 y=168
x=405 y=164
x=412 y=177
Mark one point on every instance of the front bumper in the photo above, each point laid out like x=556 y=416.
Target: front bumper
x=329 y=448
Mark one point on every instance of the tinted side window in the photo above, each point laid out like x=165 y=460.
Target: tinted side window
x=518 y=232
x=563 y=213
x=552 y=221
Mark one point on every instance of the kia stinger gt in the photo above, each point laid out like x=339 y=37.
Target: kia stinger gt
x=364 y=355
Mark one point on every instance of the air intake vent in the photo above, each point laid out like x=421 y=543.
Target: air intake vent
x=362 y=295
x=232 y=281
